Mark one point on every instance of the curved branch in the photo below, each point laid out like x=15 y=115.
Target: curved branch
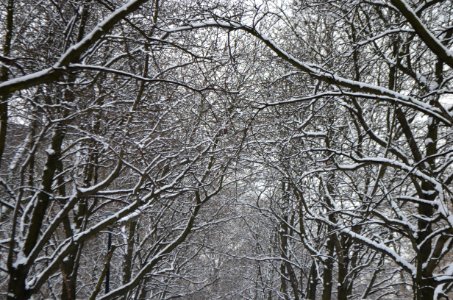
x=423 y=32
x=72 y=54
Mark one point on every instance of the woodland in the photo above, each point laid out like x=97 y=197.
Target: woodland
x=226 y=149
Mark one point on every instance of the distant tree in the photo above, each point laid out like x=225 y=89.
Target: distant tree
x=158 y=149
x=384 y=165
x=112 y=150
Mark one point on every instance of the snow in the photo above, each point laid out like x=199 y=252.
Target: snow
x=383 y=34
x=104 y=182
x=429 y=141
x=447 y=101
x=103 y=26
x=73 y=51
x=50 y=151
x=368 y=90
x=5 y=86
x=20 y=261
x=384 y=249
x=133 y=215
x=133 y=210
x=450 y=220
x=423 y=32
x=16 y=158
x=447 y=276
x=405 y=167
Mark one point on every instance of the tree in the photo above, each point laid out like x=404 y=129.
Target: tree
x=408 y=196
x=118 y=136
x=397 y=123
x=125 y=127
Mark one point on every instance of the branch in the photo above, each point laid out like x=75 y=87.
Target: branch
x=423 y=32
x=368 y=90
x=72 y=54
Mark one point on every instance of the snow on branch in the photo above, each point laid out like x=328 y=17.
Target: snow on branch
x=72 y=54
x=424 y=33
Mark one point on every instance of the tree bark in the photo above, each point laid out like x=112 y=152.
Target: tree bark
x=4 y=76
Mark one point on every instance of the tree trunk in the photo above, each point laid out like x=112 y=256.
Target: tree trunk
x=327 y=275
x=8 y=32
x=343 y=265
x=16 y=284
x=312 y=282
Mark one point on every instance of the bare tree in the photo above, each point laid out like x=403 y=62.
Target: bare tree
x=122 y=125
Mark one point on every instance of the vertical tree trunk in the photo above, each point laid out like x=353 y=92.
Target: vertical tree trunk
x=128 y=256
x=343 y=265
x=16 y=285
x=8 y=34
x=312 y=282
x=327 y=275
x=283 y=235
x=423 y=284
x=286 y=269
x=18 y=273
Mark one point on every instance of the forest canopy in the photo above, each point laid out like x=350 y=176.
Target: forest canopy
x=257 y=149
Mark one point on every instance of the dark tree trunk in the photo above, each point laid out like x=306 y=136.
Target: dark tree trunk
x=327 y=276
x=312 y=282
